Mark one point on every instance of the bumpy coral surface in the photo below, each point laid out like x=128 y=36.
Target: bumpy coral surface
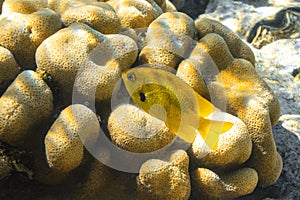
x=137 y=131
x=160 y=179
x=68 y=52
x=25 y=103
x=23 y=33
x=79 y=48
x=167 y=40
x=63 y=142
x=249 y=98
x=237 y=47
x=136 y=13
x=100 y=17
x=234 y=147
x=24 y=7
x=209 y=185
x=8 y=67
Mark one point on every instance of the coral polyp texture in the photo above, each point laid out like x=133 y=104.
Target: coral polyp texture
x=25 y=103
x=209 y=185
x=23 y=33
x=234 y=147
x=63 y=142
x=167 y=40
x=101 y=17
x=250 y=99
x=137 y=131
x=165 y=179
x=8 y=67
x=136 y=13
x=61 y=63
x=67 y=53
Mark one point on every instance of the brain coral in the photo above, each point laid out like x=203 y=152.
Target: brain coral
x=23 y=33
x=170 y=179
x=207 y=184
x=249 y=98
x=136 y=13
x=160 y=49
x=64 y=53
x=8 y=67
x=137 y=131
x=63 y=142
x=25 y=103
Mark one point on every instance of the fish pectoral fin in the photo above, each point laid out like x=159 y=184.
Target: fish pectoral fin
x=210 y=130
x=187 y=133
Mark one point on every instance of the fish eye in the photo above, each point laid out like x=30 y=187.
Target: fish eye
x=142 y=97
x=131 y=76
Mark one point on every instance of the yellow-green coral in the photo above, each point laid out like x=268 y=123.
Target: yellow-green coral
x=237 y=47
x=80 y=56
x=60 y=6
x=64 y=141
x=249 y=98
x=136 y=13
x=234 y=147
x=100 y=17
x=65 y=54
x=23 y=33
x=206 y=184
x=137 y=131
x=167 y=40
x=159 y=179
x=8 y=67
x=23 y=6
x=25 y=103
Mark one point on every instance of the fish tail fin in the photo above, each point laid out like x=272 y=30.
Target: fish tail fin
x=210 y=130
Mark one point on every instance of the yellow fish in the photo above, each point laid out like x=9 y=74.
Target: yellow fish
x=168 y=98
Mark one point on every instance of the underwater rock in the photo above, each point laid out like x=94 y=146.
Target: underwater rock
x=258 y=22
x=160 y=179
x=137 y=131
x=193 y=8
x=206 y=184
x=64 y=141
x=136 y=13
x=25 y=103
x=101 y=17
x=160 y=50
x=23 y=33
x=8 y=67
x=277 y=64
